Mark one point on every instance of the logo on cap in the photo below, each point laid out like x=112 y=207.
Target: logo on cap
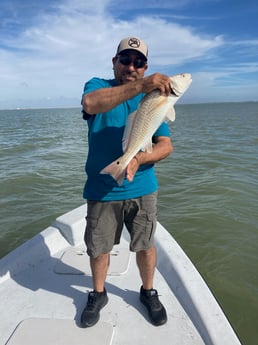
x=134 y=43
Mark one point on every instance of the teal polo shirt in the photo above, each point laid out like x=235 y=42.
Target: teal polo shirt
x=105 y=133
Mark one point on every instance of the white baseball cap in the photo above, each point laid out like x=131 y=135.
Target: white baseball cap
x=133 y=43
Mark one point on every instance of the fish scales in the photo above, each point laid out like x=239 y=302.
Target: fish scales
x=144 y=122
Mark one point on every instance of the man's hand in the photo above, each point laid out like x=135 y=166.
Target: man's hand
x=160 y=150
x=131 y=169
x=157 y=81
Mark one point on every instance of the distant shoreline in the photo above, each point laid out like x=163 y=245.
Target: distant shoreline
x=78 y=107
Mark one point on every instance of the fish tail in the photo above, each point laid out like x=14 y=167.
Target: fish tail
x=116 y=170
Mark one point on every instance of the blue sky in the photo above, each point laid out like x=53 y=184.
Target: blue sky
x=49 y=48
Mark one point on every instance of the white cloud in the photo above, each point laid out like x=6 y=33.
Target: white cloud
x=55 y=57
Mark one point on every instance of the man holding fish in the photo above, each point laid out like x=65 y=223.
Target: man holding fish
x=127 y=135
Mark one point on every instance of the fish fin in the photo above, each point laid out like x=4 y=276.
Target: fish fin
x=171 y=114
x=128 y=128
x=148 y=147
x=116 y=170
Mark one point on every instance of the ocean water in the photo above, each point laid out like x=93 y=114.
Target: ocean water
x=208 y=191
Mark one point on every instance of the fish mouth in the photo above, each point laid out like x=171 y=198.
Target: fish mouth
x=173 y=92
x=180 y=83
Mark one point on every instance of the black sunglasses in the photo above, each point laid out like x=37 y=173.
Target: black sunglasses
x=127 y=60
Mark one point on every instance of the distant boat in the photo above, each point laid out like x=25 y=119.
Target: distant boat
x=44 y=284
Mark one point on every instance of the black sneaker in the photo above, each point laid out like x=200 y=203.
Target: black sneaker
x=90 y=314
x=156 y=310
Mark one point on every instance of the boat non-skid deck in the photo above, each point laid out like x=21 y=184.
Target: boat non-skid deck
x=44 y=286
x=59 y=332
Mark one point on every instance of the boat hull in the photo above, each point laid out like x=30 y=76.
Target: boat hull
x=45 y=281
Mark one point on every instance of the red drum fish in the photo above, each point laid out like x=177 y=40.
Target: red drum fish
x=143 y=123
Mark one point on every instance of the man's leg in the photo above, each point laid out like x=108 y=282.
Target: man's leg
x=146 y=261
x=97 y=298
x=99 y=268
x=104 y=225
x=141 y=224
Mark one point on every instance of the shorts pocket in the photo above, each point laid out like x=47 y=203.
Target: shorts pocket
x=142 y=231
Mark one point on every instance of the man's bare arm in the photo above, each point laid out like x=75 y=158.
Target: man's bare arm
x=105 y=99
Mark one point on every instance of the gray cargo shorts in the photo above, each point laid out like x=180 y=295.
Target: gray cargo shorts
x=106 y=219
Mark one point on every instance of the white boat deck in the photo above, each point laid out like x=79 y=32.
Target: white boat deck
x=44 y=285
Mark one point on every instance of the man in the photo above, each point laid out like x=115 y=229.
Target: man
x=106 y=106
